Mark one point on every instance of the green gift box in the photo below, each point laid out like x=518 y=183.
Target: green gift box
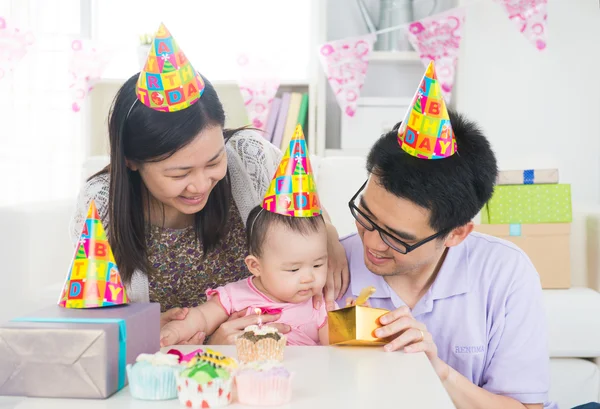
x=529 y=204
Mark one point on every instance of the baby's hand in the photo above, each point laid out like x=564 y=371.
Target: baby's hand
x=169 y=335
x=351 y=301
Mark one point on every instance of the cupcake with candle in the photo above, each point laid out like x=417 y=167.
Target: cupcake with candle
x=207 y=381
x=263 y=383
x=260 y=343
x=153 y=376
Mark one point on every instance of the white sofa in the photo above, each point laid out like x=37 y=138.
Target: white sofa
x=36 y=251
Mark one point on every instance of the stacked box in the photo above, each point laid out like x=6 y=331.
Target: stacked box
x=532 y=210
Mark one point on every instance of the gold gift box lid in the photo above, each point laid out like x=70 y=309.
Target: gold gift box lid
x=356 y=325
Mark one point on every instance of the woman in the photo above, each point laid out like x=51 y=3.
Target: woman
x=174 y=201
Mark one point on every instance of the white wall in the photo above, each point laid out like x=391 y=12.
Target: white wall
x=539 y=109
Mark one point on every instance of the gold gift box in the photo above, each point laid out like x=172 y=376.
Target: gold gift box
x=355 y=325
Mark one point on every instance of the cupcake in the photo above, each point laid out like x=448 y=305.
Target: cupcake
x=153 y=376
x=207 y=381
x=264 y=383
x=260 y=344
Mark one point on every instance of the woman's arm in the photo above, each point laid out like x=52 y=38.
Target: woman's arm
x=205 y=318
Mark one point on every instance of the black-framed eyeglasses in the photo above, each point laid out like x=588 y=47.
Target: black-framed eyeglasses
x=394 y=242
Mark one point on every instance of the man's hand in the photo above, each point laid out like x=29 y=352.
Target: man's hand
x=412 y=336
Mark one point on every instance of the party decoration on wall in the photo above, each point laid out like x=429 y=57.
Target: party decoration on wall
x=345 y=63
x=93 y=279
x=293 y=191
x=426 y=131
x=86 y=65
x=258 y=83
x=14 y=45
x=438 y=39
x=530 y=18
x=168 y=82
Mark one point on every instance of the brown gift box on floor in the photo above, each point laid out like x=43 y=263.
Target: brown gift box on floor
x=547 y=245
x=356 y=325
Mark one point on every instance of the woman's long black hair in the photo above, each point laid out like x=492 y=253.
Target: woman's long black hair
x=141 y=134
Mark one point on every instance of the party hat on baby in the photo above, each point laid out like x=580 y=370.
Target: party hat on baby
x=426 y=131
x=293 y=191
x=168 y=82
x=93 y=280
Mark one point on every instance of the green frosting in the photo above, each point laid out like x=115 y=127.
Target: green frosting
x=203 y=372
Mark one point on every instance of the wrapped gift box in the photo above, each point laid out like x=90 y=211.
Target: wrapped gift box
x=547 y=245
x=527 y=177
x=355 y=326
x=66 y=353
x=523 y=204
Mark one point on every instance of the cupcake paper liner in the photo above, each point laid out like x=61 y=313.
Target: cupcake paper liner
x=214 y=394
x=152 y=382
x=262 y=350
x=260 y=390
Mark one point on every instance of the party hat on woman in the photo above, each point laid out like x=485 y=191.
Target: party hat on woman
x=168 y=81
x=293 y=191
x=426 y=131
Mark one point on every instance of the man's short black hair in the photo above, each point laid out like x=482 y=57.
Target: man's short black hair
x=259 y=221
x=453 y=189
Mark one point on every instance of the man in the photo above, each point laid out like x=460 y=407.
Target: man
x=471 y=302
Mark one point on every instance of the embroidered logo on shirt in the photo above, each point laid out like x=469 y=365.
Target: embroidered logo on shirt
x=478 y=349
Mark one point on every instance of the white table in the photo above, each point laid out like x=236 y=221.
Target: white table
x=325 y=377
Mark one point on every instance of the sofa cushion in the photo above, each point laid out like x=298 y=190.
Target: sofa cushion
x=573 y=322
x=573 y=382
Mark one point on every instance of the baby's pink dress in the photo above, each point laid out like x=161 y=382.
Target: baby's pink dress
x=303 y=319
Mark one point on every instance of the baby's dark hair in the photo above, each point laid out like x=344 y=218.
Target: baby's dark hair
x=259 y=221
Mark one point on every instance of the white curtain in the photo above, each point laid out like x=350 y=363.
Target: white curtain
x=41 y=140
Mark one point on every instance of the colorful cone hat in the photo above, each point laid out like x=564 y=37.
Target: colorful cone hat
x=94 y=279
x=293 y=191
x=168 y=81
x=426 y=131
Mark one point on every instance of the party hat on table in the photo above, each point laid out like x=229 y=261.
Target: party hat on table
x=168 y=82
x=293 y=191
x=426 y=131
x=93 y=279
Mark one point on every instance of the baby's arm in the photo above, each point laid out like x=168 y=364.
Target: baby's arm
x=324 y=334
x=204 y=318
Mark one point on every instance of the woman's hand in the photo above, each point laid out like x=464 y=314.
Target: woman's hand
x=234 y=326
x=338 y=276
x=179 y=314
x=412 y=337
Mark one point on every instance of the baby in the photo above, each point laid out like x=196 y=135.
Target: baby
x=288 y=261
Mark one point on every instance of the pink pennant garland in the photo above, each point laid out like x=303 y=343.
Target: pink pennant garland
x=86 y=65
x=530 y=17
x=345 y=63
x=258 y=84
x=438 y=38
x=14 y=45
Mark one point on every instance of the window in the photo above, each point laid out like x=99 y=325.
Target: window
x=210 y=32
x=41 y=140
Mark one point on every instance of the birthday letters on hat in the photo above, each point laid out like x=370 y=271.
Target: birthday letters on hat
x=293 y=191
x=168 y=81
x=93 y=280
x=426 y=131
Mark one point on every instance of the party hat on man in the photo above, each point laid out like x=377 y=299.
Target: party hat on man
x=293 y=191
x=426 y=131
x=168 y=82
x=93 y=280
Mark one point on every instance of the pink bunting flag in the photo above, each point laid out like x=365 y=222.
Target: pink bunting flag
x=14 y=44
x=258 y=82
x=345 y=63
x=438 y=38
x=85 y=66
x=530 y=17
